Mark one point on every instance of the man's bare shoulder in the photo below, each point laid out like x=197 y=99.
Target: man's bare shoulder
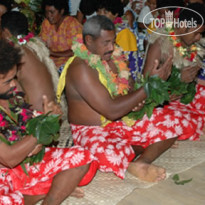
x=79 y=69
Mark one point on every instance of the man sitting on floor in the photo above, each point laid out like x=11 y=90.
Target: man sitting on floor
x=37 y=74
x=60 y=171
x=100 y=94
x=187 y=57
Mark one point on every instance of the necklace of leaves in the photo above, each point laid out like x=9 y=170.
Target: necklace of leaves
x=115 y=83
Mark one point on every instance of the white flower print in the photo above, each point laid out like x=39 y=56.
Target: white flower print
x=100 y=149
x=127 y=150
x=94 y=147
x=77 y=158
x=57 y=153
x=33 y=182
x=177 y=113
x=6 y=200
x=110 y=147
x=114 y=159
x=185 y=123
x=17 y=197
x=169 y=134
x=44 y=178
x=178 y=130
x=154 y=132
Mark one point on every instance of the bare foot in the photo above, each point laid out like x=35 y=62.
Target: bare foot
x=78 y=193
x=147 y=172
x=175 y=145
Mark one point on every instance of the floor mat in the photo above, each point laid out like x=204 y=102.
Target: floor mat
x=107 y=189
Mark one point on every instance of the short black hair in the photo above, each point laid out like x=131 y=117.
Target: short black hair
x=9 y=56
x=188 y=14
x=88 y=7
x=16 y=22
x=114 y=6
x=166 y=3
x=6 y=3
x=58 y=4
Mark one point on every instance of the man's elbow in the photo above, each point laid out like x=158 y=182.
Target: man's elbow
x=112 y=115
x=9 y=163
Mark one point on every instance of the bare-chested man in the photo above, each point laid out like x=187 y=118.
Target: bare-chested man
x=54 y=178
x=35 y=71
x=182 y=42
x=99 y=96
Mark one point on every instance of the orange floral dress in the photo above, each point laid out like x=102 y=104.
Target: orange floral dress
x=60 y=40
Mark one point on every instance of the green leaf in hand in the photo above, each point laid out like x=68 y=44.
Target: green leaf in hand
x=44 y=127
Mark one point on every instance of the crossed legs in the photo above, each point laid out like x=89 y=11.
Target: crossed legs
x=64 y=184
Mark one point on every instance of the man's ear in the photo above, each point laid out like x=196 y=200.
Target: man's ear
x=6 y=33
x=88 y=40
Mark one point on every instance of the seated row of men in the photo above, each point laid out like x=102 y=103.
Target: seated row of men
x=100 y=96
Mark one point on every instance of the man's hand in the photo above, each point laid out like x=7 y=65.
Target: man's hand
x=164 y=70
x=188 y=74
x=174 y=97
x=52 y=107
x=139 y=106
x=36 y=150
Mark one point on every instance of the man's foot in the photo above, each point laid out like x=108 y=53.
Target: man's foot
x=147 y=172
x=78 y=193
x=175 y=145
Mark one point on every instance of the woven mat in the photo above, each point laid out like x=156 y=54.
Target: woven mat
x=106 y=188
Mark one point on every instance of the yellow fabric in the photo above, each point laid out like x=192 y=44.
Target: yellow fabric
x=103 y=81
x=62 y=80
x=151 y=28
x=126 y=40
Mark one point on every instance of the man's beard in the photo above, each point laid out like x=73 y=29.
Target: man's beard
x=7 y=95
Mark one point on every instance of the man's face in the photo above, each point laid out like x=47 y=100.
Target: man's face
x=103 y=45
x=189 y=39
x=107 y=13
x=7 y=84
x=152 y=4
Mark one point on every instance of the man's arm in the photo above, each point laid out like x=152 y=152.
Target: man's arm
x=12 y=155
x=189 y=73
x=86 y=83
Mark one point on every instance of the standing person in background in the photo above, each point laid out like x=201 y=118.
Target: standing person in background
x=58 y=30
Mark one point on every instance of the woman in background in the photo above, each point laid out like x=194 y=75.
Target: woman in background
x=58 y=30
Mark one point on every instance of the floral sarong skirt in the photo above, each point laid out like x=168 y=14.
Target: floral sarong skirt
x=14 y=182
x=111 y=145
